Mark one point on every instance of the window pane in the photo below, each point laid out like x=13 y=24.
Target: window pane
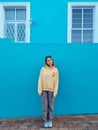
x=88 y=11
x=76 y=36
x=76 y=25
x=10 y=30
x=21 y=32
x=9 y=14
x=88 y=36
x=88 y=18
x=88 y=25
x=21 y=14
x=76 y=18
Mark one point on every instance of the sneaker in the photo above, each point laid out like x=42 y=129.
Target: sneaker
x=45 y=124
x=50 y=124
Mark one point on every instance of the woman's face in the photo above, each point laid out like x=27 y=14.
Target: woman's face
x=49 y=62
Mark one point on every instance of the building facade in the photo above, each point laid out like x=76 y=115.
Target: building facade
x=31 y=30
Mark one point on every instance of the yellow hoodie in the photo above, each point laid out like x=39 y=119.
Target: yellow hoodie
x=48 y=80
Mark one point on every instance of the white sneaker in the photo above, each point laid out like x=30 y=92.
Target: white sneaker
x=50 y=124
x=46 y=125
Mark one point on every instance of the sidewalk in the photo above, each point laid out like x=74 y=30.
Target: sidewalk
x=74 y=122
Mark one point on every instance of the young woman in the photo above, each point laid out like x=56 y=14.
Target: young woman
x=47 y=88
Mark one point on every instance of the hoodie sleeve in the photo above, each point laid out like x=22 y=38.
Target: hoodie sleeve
x=56 y=84
x=40 y=83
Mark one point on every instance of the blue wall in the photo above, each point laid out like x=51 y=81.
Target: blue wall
x=20 y=65
x=19 y=69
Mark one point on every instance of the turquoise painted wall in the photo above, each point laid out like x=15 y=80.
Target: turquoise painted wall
x=20 y=65
x=19 y=69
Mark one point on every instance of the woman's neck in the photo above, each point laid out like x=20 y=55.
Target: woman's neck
x=49 y=66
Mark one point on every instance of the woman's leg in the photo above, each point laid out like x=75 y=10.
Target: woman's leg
x=50 y=105
x=45 y=105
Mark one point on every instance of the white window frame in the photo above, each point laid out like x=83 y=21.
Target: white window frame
x=95 y=19
x=2 y=17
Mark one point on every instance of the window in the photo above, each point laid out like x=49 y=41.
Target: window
x=16 y=24
x=82 y=25
x=82 y=18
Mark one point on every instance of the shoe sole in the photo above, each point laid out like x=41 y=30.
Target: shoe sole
x=48 y=127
